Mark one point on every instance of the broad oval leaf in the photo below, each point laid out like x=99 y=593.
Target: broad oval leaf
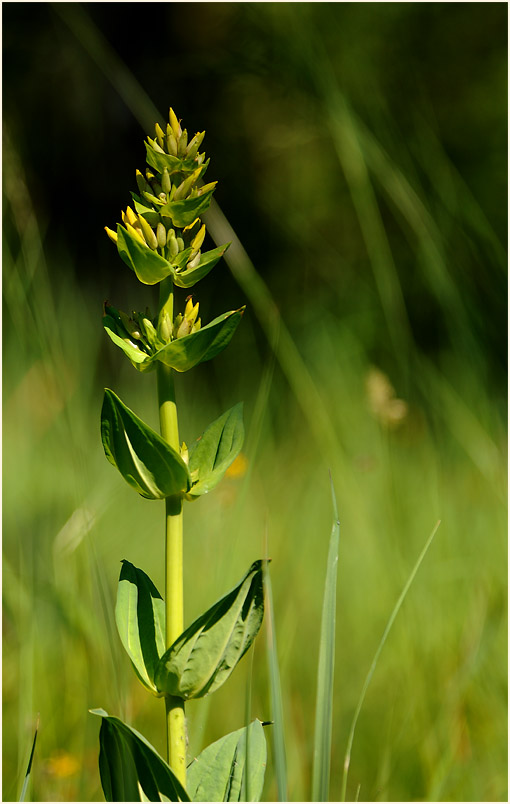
x=186 y=279
x=143 y=458
x=204 y=656
x=149 y=266
x=216 y=449
x=128 y=765
x=183 y=213
x=231 y=769
x=184 y=353
x=140 y=618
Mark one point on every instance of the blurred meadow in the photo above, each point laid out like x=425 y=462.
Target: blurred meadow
x=361 y=155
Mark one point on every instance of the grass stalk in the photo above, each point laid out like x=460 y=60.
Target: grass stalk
x=279 y=755
x=326 y=670
x=368 y=679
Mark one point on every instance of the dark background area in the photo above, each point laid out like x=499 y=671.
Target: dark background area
x=424 y=76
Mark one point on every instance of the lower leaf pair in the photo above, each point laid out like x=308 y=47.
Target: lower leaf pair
x=231 y=769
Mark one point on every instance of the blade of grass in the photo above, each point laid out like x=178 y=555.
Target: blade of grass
x=371 y=670
x=326 y=670
x=29 y=767
x=280 y=761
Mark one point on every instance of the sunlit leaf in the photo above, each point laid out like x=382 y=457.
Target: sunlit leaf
x=182 y=354
x=143 y=458
x=188 y=278
x=226 y=769
x=216 y=449
x=184 y=212
x=205 y=654
x=149 y=266
x=140 y=618
x=128 y=764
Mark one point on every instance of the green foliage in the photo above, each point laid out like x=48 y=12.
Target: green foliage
x=215 y=450
x=183 y=213
x=430 y=160
x=140 y=618
x=188 y=278
x=144 y=459
x=149 y=266
x=182 y=354
x=232 y=768
x=128 y=765
x=326 y=670
x=206 y=653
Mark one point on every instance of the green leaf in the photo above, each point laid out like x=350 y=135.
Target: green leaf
x=184 y=353
x=204 y=656
x=140 y=618
x=188 y=278
x=184 y=212
x=128 y=765
x=143 y=208
x=134 y=353
x=326 y=671
x=174 y=163
x=143 y=458
x=216 y=449
x=149 y=266
x=220 y=772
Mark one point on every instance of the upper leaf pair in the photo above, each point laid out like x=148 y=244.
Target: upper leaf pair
x=152 y=467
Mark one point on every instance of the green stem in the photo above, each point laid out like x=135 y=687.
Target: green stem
x=175 y=718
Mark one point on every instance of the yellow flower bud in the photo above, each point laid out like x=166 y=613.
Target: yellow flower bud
x=207 y=187
x=183 y=142
x=197 y=241
x=161 y=235
x=135 y=233
x=194 y=145
x=176 y=128
x=111 y=234
x=155 y=146
x=184 y=188
x=148 y=233
x=142 y=184
x=166 y=184
x=160 y=134
x=173 y=248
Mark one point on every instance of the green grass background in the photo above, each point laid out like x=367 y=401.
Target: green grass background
x=361 y=157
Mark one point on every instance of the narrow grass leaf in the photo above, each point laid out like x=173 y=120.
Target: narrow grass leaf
x=140 y=618
x=26 y=780
x=279 y=754
x=219 y=773
x=325 y=674
x=393 y=615
x=205 y=654
x=130 y=767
